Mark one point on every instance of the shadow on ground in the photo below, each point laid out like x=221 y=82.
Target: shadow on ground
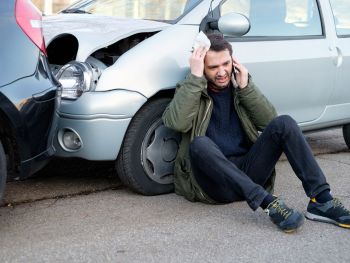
x=63 y=178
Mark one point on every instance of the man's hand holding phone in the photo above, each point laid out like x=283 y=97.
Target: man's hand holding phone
x=240 y=73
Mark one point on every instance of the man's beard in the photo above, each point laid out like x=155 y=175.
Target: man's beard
x=214 y=86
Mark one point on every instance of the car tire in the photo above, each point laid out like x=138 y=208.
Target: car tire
x=346 y=134
x=146 y=160
x=3 y=170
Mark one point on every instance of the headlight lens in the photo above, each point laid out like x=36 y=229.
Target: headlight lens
x=76 y=78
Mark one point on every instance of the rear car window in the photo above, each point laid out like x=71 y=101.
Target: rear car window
x=341 y=14
x=273 y=18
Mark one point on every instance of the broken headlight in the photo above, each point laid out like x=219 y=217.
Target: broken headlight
x=77 y=78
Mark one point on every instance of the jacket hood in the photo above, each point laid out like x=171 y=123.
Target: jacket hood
x=95 y=31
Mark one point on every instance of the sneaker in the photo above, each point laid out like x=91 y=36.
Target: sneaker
x=332 y=212
x=284 y=217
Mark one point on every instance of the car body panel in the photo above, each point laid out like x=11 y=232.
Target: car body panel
x=342 y=90
x=279 y=73
x=30 y=104
x=101 y=137
x=340 y=48
x=337 y=110
x=119 y=104
x=95 y=122
x=106 y=30
x=18 y=41
x=162 y=66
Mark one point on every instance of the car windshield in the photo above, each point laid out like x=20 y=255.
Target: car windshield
x=160 y=10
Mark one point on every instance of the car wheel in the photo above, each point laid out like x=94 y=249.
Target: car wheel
x=346 y=134
x=3 y=171
x=146 y=160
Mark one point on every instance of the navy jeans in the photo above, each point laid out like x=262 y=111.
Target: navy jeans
x=229 y=179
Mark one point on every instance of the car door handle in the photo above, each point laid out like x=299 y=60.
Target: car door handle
x=337 y=57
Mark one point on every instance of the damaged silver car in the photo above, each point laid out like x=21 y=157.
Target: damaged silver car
x=119 y=62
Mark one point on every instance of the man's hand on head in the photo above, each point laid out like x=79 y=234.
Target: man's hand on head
x=241 y=73
x=197 y=61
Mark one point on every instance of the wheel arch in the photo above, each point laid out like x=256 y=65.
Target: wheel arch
x=165 y=93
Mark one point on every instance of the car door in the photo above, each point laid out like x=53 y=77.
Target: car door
x=340 y=10
x=287 y=53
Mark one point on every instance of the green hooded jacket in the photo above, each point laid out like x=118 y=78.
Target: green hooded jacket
x=189 y=112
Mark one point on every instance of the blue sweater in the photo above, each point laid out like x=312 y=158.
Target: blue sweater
x=225 y=128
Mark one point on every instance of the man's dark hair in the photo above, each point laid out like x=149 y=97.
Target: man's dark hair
x=219 y=43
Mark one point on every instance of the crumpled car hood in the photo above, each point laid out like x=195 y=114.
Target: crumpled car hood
x=94 y=31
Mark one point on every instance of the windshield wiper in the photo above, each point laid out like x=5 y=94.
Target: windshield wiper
x=74 y=11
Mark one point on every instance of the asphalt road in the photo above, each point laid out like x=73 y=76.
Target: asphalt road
x=108 y=223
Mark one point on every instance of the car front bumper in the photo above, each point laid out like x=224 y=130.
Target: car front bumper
x=99 y=121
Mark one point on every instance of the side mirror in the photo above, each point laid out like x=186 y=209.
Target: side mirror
x=232 y=24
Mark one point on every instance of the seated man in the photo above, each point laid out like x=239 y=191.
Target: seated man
x=222 y=159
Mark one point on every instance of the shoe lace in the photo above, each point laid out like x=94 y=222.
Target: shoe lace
x=337 y=203
x=285 y=212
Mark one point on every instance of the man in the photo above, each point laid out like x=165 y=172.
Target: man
x=222 y=158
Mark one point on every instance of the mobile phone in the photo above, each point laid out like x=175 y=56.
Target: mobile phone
x=234 y=71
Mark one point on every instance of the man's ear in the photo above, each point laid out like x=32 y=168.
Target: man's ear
x=204 y=73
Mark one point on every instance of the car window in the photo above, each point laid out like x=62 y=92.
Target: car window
x=286 y=18
x=168 y=10
x=341 y=13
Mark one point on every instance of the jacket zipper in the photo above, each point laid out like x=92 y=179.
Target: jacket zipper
x=249 y=132
x=205 y=117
